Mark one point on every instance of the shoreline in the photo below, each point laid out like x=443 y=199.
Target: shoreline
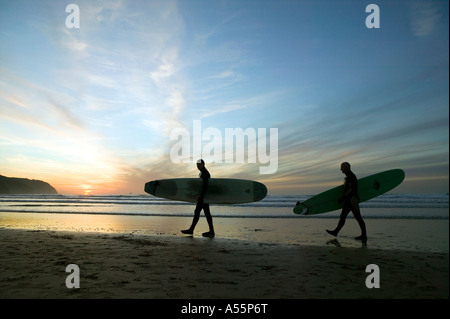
x=423 y=235
x=118 y=265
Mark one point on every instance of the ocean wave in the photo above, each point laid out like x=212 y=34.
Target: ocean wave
x=253 y=216
x=384 y=206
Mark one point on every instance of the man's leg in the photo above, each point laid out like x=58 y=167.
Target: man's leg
x=342 y=217
x=209 y=220
x=357 y=213
x=208 y=217
x=198 y=209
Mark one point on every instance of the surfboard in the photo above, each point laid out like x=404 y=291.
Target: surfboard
x=368 y=188
x=219 y=191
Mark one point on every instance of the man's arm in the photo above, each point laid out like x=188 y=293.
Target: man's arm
x=351 y=186
x=348 y=188
x=203 y=191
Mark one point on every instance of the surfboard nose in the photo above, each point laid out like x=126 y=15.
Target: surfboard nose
x=150 y=187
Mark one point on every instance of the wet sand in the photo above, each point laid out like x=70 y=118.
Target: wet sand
x=423 y=235
x=120 y=265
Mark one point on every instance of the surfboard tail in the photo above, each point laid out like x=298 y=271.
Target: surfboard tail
x=259 y=191
x=301 y=209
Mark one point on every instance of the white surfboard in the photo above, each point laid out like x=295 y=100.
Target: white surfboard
x=219 y=191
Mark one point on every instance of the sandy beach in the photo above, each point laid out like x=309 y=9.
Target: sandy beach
x=114 y=265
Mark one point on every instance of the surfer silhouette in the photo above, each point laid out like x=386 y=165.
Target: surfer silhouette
x=205 y=176
x=350 y=199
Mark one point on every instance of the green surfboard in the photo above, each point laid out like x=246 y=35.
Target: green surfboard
x=368 y=187
x=219 y=191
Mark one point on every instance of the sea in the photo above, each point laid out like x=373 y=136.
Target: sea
x=406 y=206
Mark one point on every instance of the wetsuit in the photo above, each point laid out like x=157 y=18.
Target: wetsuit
x=205 y=176
x=351 y=203
x=350 y=186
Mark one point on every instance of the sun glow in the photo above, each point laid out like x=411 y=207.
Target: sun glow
x=87 y=189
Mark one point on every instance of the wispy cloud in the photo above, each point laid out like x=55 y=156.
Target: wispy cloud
x=425 y=17
x=97 y=104
x=204 y=37
x=223 y=75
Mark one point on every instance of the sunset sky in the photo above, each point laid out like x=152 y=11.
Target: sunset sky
x=92 y=109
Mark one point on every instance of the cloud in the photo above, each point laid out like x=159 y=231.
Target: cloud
x=204 y=37
x=163 y=73
x=223 y=75
x=72 y=43
x=103 y=99
x=425 y=17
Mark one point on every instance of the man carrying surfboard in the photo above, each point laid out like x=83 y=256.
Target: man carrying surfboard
x=205 y=176
x=350 y=201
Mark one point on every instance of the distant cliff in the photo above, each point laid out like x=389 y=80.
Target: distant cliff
x=10 y=185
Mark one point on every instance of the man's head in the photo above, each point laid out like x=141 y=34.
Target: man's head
x=345 y=167
x=200 y=164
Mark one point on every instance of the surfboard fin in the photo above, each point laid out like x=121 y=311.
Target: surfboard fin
x=301 y=209
x=305 y=210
